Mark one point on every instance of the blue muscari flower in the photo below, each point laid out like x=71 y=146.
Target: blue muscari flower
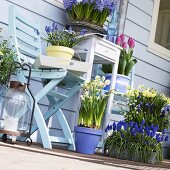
x=38 y=33
x=163 y=111
x=69 y=3
x=152 y=134
x=47 y=29
x=157 y=136
x=147 y=104
x=83 y=31
x=164 y=131
x=107 y=128
x=122 y=135
x=99 y=5
x=143 y=122
x=54 y=26
x=131 y=124
x=145 y=142
x=85 y=1
x=167 y=108
x=126 y=126
x=159 y=139
x=166 y=138
x=133 y=132
x=119 y=126
x=110 y=127
x=139 y=97
x=151 y=127
x=114 y=126
x=162 y=138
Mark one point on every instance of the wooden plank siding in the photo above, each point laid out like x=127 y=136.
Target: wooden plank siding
x=151 y=70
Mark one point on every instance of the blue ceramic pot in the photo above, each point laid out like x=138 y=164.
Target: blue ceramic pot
x=86 y=139
x=122 y=82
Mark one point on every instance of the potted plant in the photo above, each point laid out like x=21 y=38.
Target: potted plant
x=61 y=42
x=93 y=105
x=6 y=60
x=89 y=14
x=126 y=63
x=133 y=141
x=148 y=105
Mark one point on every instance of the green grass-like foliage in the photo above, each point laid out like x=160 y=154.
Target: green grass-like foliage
x=93 y=102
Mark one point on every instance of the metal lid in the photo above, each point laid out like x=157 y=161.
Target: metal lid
x=17 y=85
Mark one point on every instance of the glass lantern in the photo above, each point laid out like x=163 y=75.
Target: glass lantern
x=16 y=110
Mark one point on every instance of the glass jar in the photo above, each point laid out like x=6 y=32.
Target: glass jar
x=15 y=112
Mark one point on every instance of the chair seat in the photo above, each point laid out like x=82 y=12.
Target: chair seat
x=46 y=74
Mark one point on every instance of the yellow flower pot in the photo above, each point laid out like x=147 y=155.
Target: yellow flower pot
x=63 y=53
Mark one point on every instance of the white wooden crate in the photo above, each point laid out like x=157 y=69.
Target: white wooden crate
x=76 y=67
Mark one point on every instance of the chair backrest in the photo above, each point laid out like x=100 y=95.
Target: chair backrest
x=25 y=36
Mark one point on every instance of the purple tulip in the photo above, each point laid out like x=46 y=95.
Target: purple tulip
x=118 y=40
x=124 y=45
x=131 y=42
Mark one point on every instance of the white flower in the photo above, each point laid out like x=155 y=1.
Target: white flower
x=107 y=82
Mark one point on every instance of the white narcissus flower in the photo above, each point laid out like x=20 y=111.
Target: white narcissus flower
x=1 y=53
x=107 y=82
x=97 y=77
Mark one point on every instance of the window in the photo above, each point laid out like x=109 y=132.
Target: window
x=159 y=42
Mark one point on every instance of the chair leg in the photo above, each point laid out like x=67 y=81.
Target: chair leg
x=42 y=128
x=66 y=129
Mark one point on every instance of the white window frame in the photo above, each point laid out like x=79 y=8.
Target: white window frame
x=152 y=46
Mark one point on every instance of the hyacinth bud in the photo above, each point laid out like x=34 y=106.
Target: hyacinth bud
x=131 y=42
x=122 y=36
x=124 y=45
x=118 y=40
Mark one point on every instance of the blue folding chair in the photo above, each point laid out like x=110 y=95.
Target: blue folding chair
x=25 y=37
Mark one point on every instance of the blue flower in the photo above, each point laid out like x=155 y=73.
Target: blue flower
x=139 y=97
x=164 y=131
x=47 y=29
x=83 y=31
x=147 y=104
x=131 y=124
x=166 y=138
x=69 y=3
x=143 y=122
x=114 y=126
x=163 y=111
x=122 y=135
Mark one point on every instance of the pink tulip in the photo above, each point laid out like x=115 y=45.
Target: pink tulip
x=131 y=42
x=122 y=36
x=124 y=45
x=118 y=40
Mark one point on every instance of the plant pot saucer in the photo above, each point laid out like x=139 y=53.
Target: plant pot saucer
x=77 y=26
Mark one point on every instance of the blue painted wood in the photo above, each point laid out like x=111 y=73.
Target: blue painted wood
x=25 y=45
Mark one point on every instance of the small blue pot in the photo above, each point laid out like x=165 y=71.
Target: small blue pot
x=122 y=82
x=86 y=139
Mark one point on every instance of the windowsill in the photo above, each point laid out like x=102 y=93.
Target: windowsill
x=159 y=50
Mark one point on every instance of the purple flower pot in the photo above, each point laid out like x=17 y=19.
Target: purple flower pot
x=86 y=139
x=122 y=82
